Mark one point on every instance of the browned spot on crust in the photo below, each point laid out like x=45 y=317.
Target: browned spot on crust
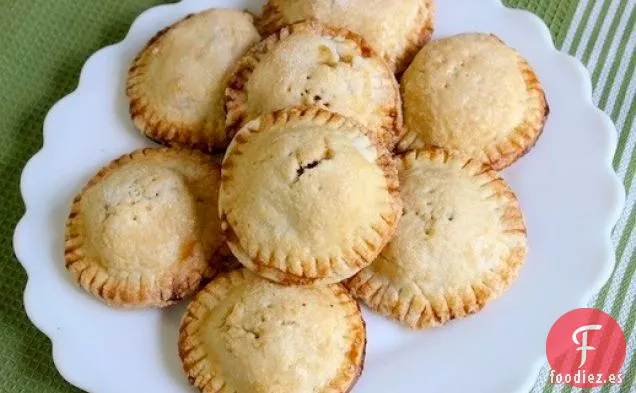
x=112 y=289
x=355 y=258
x=206 y=375
x=273 y=19
x=418 y=311
x=236 y=96
x=169 y=133
x=187 y=250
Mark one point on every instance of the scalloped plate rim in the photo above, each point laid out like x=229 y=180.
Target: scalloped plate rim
x=582 y=75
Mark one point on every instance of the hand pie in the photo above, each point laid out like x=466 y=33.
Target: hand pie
x=145 y=232
x=314 y=65
x=397 y=29
x=472 y=93
x=307 y=196
x=176 y=84
x=245 y=334
x=459 y=244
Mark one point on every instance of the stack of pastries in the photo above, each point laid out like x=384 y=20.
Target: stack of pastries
x=336 y=184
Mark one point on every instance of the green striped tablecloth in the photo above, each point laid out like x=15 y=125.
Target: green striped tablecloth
x=43 y=44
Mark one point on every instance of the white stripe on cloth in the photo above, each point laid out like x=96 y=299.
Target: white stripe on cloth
x=621 y=266
x=613 y=51
x=629 y=299
x=622 y=221
x=589 y=27
x=622 y=70
x=602 y=35
x=629 y=360
x=543 y=377
x=621 y=124
x=574 y=24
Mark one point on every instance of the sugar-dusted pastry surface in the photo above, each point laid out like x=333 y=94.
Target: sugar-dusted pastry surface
x=144 y=232
x=310 y=64
x=256 y=336
x=176 y=85
x=459 y=244
x=321 y=198
x=472 y=93
x=395 y=28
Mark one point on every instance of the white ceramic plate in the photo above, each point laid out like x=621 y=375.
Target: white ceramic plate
x=568 y=190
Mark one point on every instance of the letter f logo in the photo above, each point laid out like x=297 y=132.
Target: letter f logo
x=583 y=345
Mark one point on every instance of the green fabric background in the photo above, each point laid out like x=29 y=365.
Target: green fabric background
x=43 y=45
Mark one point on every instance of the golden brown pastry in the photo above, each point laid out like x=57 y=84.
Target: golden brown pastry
x=472 y=93
x=307 y=196
x=176 y=84
x=144 y=232
x=314 y=65
x=245 y=334
x=397 y=29
x=459 y=244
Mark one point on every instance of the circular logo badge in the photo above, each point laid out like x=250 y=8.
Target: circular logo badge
x=586 y=348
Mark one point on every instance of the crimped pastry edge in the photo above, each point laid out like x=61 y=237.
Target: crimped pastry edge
x=419 y=312
x=419 y=36
x=92 y=276
x=198 y=367
x=272 y=20
x=361 y=259
x=521 y=139
x=149 y=120
x=236 y=96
